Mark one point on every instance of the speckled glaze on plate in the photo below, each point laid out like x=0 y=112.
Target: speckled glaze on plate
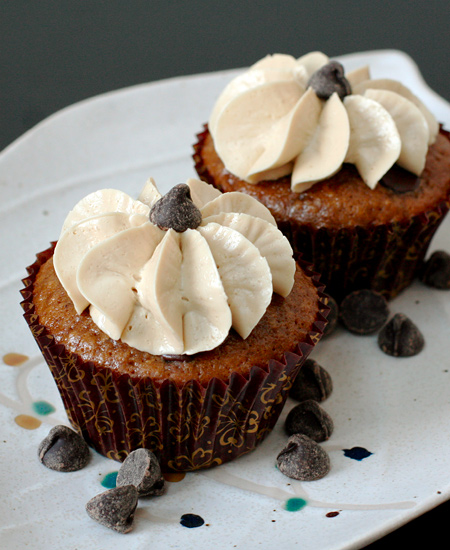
x=389 y=456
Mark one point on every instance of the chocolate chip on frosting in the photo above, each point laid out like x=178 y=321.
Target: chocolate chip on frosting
x=63 y=450
x=329 y=79
x=400 y=337
x=141 y=469
x=176 y=210
x=308 y=418
x=312 y=382
x=364 y=311
x=114 y=508
x=436 y=271
x=303 y=459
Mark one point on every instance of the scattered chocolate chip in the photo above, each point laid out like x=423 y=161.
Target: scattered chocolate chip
x=400 y=337
x=436 y=271
x=332 y=316
x=329 y=79
x=399 y=180
x=141 y=469
x=63 y=450
x=312 y=382
x=308 y=418
x=364 y=311
x=176 y=210
x=303 y=459
x=114 y=508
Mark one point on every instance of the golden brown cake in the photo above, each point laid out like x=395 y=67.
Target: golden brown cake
x=202 y=403
x=359 y=230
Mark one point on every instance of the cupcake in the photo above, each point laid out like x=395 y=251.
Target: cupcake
x=175 y=323
x=356 y=171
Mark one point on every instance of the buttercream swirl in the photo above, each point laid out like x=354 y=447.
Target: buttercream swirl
x=268 y=122
x=169 y=292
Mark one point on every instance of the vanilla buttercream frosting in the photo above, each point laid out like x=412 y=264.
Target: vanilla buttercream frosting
x=270 y=122
x=167 y=291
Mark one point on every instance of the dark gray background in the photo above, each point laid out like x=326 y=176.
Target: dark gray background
x=54 y=53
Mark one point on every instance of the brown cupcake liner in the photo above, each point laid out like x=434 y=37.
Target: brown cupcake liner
x=385 y=258
x=188 y=426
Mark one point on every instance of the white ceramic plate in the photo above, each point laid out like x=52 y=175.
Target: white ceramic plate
x=397 y=409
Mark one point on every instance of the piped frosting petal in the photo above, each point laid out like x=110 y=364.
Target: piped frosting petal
x=102 y=202
x=374 y=140
x=76 y=241
x=326 y=150
x=401 y=89
x=245 y=275
x=411 y=125
x=270 y=242
x=105 y=275
x=238 y=202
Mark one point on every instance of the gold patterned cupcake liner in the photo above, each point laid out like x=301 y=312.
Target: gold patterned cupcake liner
x=189 y=426
x=383 y=257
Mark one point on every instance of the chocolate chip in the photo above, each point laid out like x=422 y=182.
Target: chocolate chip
x=176 y=210
x=329 y=79
x=399 y=180
x=332 y=316
x=63 y=450
x=364 y=311
x=303 y=459
x=312 y=382
x=308 y=418
x=400 y=337
x=114 y=508
x=436 y=271
x=141 y=469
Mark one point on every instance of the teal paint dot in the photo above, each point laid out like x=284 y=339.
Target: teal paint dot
x=295 y=504
x=43 y=408
x=109 y=481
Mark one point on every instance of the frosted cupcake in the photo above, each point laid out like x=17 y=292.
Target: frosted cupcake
x=356 y=171
x=174 y=323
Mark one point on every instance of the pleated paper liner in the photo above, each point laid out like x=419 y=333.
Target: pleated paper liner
x=382 y=257
x=189 y=426
x=385 y=258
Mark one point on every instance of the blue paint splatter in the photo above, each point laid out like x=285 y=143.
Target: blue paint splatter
x=109 y=481
x=357 y=453
x=43 y=408
x=191 y=520
x=295 y=504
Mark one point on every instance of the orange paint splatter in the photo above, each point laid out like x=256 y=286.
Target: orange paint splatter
x=14 y=359
x=174 y=477
x=27 y=422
